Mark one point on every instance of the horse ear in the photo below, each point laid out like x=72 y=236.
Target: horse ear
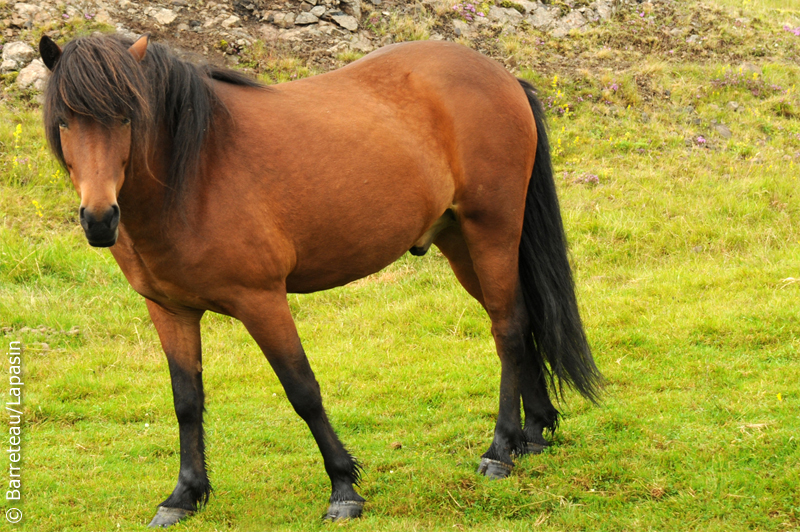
x=139 y=49
x=49 y=51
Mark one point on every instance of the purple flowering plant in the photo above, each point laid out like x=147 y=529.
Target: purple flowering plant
x=468 y=11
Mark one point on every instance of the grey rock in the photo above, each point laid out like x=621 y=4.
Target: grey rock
x=352 y=7
x=287 y=21
x=692 y=39
x=462 y=29
x=318 y=11
x=183 y=27
x=605 y=9
x=750 y=68
x=19 y=52
x=362 y=43
x=346 y=21
x=125 y=32
x=104 y=17
x=231 y=21
x=723 y=130
x=544 y=17
x=27 y=15
x=305 y=18
x=326 y=28
x=338 y=47
x=305 y=7
x=572 y=21
x=293 y=35
x=212 y=22
x=528 y=6
x=27 y=11
x=8 y=66
x=33 y=76
x=734 y=106
x=164 y=16
x=375 y=2
x=504 y=15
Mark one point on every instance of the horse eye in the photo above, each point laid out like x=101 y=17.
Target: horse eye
x=126 y=121
x=62 y=124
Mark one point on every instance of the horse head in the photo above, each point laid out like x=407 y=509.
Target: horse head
x=95 y=114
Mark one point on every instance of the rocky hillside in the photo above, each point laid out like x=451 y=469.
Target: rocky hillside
x=282 y=40
x=322 y=32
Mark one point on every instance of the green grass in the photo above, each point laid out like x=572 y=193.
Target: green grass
x=686 y=257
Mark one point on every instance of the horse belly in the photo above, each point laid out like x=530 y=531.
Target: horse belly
x=361 y=236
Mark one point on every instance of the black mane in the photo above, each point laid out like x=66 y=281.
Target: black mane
x=97 y=77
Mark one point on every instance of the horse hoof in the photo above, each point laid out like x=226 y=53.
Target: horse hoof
x=533 y=448
x=494 y=469
x=530 y=447
x=341 y=510
x=168 y=516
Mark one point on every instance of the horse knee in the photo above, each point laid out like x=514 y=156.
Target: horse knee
x=307 y=403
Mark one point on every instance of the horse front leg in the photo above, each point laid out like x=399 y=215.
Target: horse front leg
x=179 y=332
x=268 y=319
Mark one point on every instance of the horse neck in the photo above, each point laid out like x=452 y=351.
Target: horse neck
x=141 y=200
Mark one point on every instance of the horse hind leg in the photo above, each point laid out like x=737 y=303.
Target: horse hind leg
x=489 y=275
x=540 y=414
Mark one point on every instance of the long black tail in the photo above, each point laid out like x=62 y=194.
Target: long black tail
x=546 y=278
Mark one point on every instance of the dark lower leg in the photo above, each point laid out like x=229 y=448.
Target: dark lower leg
x=270 y=322
x=193 y=487
x=179 y=331
x=540 y=414
x=508 y=436
x=342 y=468
x=303 y=392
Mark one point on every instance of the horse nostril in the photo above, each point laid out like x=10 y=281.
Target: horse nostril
x=112 y=216
x=82 y=213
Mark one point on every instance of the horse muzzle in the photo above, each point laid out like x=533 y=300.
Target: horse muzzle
x=101 y=231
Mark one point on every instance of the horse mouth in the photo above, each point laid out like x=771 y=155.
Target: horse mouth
x=104 y=243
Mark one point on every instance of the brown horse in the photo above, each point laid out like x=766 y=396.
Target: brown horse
x=217 y=193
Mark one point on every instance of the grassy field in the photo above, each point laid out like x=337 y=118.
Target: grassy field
x=678 y=178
